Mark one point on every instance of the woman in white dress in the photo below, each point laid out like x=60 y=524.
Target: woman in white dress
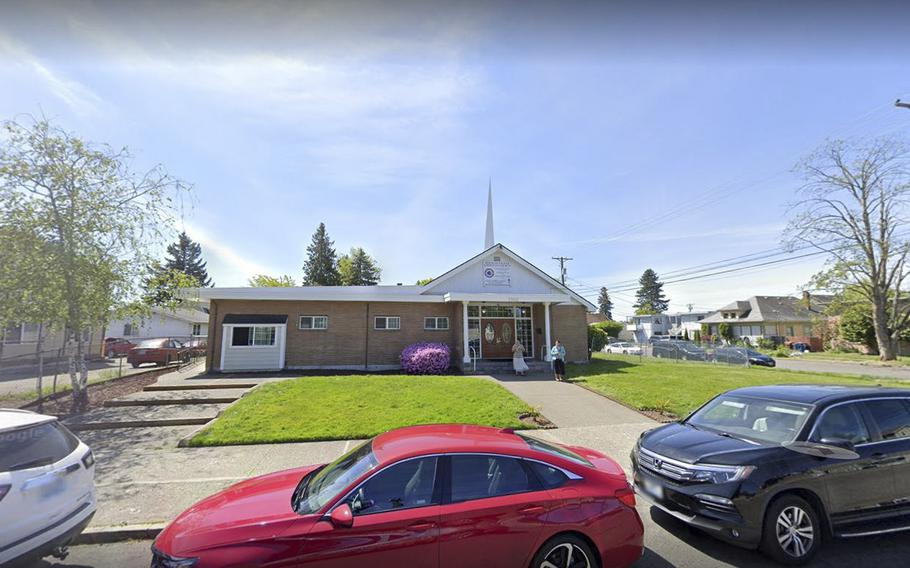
x=518 y=359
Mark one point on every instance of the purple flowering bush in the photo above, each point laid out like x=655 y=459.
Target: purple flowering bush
x=426 y=358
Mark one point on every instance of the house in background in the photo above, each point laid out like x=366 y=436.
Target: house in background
x=666 y=326
x=182 y=323
x=20 y=343
x=782 y=319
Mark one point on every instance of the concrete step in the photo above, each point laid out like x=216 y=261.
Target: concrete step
x=155 y=398
x=145 y=416
x=198 y=386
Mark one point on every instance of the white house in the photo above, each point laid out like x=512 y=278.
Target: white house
x=670 y=326
x=182 y=323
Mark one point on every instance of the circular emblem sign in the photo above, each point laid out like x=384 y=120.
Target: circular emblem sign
x=489 y=272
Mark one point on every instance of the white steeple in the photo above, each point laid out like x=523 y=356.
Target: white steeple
x=488 y=240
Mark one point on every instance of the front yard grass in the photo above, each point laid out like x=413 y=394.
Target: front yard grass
x=359 y=406
x=679 y=388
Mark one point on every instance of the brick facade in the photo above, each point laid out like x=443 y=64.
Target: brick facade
x=570 y=326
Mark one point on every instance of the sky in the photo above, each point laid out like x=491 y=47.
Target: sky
x=624 y=135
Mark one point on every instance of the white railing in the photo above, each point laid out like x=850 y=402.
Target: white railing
x=473 y=357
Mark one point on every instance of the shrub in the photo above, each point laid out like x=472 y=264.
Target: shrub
x=597 y=338
x=781 y=352
x=766 y=343
x=610 y=327
x=426 y=358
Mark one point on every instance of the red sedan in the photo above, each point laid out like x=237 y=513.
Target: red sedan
x=158 y=351
x=442 y=496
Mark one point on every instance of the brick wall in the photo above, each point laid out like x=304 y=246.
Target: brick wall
x=570 y=326
x=350 y=340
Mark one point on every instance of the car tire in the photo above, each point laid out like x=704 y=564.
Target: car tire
x=554 y=553
x=135 y=365
x=624 y=352
x=789 y=546
x=111 y=354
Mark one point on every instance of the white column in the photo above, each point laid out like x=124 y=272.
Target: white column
x=546 y=326
x=464 y=324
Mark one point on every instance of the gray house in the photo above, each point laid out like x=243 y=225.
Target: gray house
x=784 y=319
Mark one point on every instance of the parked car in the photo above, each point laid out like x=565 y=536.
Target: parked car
x=760 y=359
x=440 y=495
x=159 y=352
x=624 y=348
x=782 y=468
x=673 y=349
x=117 y=347
x=197 y=346
x=47 y=487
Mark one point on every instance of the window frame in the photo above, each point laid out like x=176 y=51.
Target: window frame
x=439 y=483
x=534 y=482
x=435 y=320
x=313 y=322
x=386 y=318
x=858 y=412
x=273 y=345
x=875 y=430
x=870 y=423
x=196 y=330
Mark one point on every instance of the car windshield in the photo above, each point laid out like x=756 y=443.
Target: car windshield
x=37 y=446
x=150 y=343
x=329 y=481
x=553 y=449
x=753 y=419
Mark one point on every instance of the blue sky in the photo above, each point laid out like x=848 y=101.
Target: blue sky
x=625 y=136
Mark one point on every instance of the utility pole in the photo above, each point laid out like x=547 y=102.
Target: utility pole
x=562 y=267
x=898 y=103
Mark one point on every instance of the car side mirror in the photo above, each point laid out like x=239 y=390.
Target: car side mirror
x=342 y=516
x=841 y=443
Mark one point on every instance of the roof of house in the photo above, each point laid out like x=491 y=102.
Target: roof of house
x=430 y=293
x=759 y=309
x=191 y=315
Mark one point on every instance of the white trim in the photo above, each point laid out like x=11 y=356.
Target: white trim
x=504 y=298
x=546 y=317
x=227 y=331
x=387 y=328
x=408 y=294
x=313 y=328
x=257 y=325
x=436 y=323
x=466 y=356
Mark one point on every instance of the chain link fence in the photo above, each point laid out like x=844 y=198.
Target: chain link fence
x=677 y=350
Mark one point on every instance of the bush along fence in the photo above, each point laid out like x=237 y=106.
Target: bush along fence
x=426 y=358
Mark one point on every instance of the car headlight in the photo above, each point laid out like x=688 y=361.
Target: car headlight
x=162 y=560
x=721 y=473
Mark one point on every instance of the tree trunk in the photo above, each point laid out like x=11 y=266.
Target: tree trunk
x=39 y=353
x=886 y=349
x=78 y=375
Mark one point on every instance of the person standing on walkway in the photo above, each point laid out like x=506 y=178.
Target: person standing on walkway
x=518 y=359
x=558 y=355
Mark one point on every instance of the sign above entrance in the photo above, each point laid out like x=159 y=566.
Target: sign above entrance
x=497 y=273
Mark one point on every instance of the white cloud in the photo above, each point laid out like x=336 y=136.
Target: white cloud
x=231 y=267
x=82 y=100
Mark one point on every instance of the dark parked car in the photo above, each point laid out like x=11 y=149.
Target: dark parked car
x=760 y=359
x=117 y=347
x=740 y=355
x=435 y=496
x=678 y=350
x=782 y=467
x=159 y=352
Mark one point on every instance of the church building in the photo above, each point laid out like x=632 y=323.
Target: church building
x=479 y=308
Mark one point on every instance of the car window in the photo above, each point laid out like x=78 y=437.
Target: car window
x=404 y=485
x=37 y=446
x=841 y=423
x=479 y=477
x=550 y=477
x=553 y=449
x=891 y=416
x=762 y=420
x=329 y=481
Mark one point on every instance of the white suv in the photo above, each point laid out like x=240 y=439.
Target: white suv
x=47 y=486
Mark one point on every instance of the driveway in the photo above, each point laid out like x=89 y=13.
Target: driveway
x=844 y=367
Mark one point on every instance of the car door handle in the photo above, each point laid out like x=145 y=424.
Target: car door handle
x=532 y=510
x=421 y=526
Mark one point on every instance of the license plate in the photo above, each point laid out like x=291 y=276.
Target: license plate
x=653 y=488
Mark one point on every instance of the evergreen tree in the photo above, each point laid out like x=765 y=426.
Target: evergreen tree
x=606 y=304
x=320 y=268
x=650 y=296
x=357 y=268
x=266 y=281
x=186 y=256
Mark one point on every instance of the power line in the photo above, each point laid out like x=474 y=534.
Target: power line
x=562 y=267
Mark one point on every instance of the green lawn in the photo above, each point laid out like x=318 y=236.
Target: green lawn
x=359 y=406
x=681 y=387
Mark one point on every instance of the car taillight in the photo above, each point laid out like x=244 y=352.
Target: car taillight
x=4 y=489
x=88 y=460
x=626 y=496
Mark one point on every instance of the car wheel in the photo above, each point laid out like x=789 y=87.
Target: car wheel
x=624 y=352
x=564 y=551
x=111 y=354
x=135 y=365
x=792 y=532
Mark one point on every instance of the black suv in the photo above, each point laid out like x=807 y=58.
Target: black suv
x=781 y=467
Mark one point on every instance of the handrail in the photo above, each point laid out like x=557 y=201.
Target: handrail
x=473 y=357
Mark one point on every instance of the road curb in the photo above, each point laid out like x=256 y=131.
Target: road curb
x=107 y=535
x=139 y=424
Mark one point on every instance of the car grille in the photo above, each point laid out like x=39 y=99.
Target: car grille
x=664 y=467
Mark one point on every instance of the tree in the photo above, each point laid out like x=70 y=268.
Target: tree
x=357 y=268
x=424 y=281
x=605 y=304
x=726 y=332
x=91 y=217
x=852 y=207
x=185 y=255
x=650 y=296
x=266 y=281
x=320 y=268
x=163 y=287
